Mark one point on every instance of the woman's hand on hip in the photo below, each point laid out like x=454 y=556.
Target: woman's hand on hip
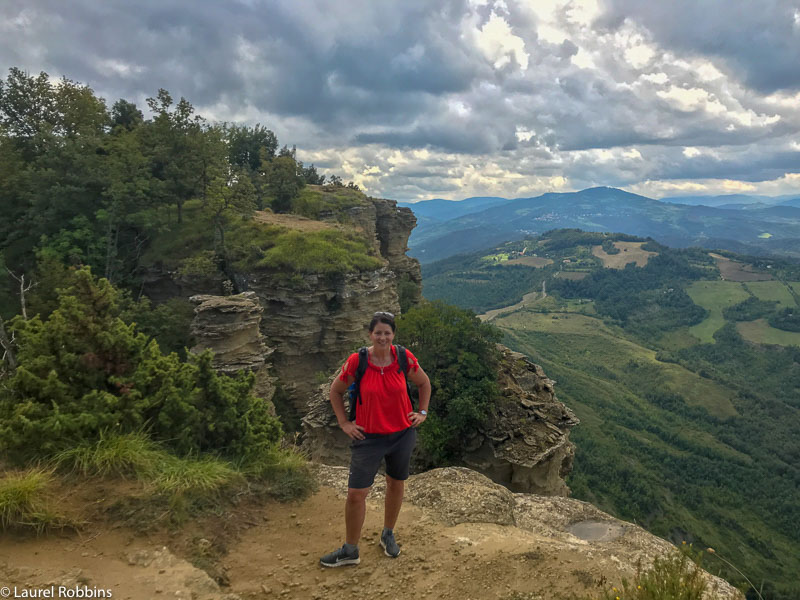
x=352 y=430
x=416 y=418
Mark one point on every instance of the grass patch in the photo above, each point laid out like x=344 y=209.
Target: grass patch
x=714 y=296
x=26 y=502
x=184 y=479
x=121 y=455
x=284 y=471
x=326 y=252
x=760 y=332
x=184 y=483
x=774 y=291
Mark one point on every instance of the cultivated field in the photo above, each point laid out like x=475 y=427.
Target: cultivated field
x=530 y=261
x=714 y=296
x=772 y=290
x=737 y=271
x=571 y=275
x=629 y=252
x=760 y=332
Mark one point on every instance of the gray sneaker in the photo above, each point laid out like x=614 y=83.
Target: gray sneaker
x=340 y=558
x=389 y=545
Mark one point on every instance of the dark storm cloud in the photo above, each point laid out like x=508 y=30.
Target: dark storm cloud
x=758 y=41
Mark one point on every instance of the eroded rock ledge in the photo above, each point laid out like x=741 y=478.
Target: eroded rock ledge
x=608 y=547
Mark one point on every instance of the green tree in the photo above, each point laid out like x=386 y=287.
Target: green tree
x=174 y=138
x=227 y=199
x=283 y=182
x=460 y=355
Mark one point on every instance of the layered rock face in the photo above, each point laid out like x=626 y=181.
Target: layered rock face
x=315 y=326
x=230 y=326
x=313 y=323
x=525 y=447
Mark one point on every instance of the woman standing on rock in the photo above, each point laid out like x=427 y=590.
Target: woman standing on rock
x=384 y=427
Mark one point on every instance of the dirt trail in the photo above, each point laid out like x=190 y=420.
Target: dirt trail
x=277 y=554
x=271 y=550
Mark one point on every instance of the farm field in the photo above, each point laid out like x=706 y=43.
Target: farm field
x=760 y=332
x=571 y=275
x=714 y=296
x=772 y=290
x=529 y=261
x=629 y=252
x=732 y=270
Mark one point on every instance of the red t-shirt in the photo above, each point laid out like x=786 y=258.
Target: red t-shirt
x=384 y=403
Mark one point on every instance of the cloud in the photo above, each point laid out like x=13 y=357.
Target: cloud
x=459 y=97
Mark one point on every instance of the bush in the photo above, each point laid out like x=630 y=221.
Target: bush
x=460 y=355
x=84 y=371
x=672 y=577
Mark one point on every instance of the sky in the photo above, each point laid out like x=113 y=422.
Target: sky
x=425 y=99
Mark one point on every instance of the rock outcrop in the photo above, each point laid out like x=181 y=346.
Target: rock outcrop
x=230 y=326
x=311 y=321
x=525 y=447
x=601 y=546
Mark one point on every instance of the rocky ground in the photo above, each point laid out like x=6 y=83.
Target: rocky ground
x=461 y=537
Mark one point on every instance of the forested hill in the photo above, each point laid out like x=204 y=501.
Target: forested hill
x=684 y=369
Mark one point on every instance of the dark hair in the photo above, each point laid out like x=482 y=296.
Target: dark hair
x=382 y=317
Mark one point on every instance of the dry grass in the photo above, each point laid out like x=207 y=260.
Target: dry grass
x=630 y=252
x=291 y=221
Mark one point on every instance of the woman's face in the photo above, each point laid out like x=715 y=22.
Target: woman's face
x=381 y=336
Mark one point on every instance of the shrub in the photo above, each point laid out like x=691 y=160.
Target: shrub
x=460 y=355
x=84 y=371
x=672 y=577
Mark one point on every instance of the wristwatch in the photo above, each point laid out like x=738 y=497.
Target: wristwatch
x=423 y=412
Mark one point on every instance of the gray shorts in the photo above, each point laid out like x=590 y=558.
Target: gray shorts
x=367 y=454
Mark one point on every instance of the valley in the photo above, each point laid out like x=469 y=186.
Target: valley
x=687 y=394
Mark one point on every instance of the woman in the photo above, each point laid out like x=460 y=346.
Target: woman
x=384 y=427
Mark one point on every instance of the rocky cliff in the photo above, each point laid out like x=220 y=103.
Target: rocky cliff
x=525 y=446
x=311 y=321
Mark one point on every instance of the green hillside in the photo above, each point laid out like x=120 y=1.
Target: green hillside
x=687 y=427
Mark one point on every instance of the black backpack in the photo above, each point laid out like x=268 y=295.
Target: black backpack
x=353 y=390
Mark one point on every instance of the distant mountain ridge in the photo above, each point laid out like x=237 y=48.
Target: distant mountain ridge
x=741 y=227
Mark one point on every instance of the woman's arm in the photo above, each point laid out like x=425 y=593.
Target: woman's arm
x=423 y=383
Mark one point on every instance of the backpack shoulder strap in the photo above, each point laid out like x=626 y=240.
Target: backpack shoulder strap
x=402 y=359
x=362 y=363
x=355 y=392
